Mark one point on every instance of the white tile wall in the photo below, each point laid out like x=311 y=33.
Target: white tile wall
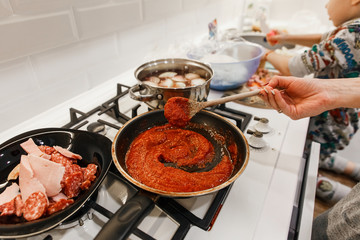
x=52 y=50
x=157 y=9
x=5 y=9
x=106 y=18
x=22 y=36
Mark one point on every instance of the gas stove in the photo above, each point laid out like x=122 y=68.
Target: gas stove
x=271 y=184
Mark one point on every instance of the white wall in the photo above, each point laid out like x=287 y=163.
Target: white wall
x=52 y=50
x=300 y=16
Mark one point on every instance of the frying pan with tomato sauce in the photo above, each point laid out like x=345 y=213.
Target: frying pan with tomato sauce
x=204 y=122
x=93 y=148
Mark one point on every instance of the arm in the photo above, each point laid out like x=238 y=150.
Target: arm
x=299 y=97
x=279 y=61
x=304 y=40
x=275 y=37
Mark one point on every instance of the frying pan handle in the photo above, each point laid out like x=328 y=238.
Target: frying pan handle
x=126 y=218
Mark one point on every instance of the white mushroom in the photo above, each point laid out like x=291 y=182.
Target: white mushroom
x=151 y=83
x=197 y=81
x=179 y=78
x=154 y=79
x=180 y=84
x=192 y=76
x=166 y=83
x=167 y=75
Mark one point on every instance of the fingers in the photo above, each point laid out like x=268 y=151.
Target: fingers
x=272 y=37
x=274 y=98
x=268 y=95
x=281 y=82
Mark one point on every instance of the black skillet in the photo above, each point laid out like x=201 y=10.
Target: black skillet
x=206 y=122
x=94 y=148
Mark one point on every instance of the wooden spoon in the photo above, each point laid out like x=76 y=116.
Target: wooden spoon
x=195 y=107
x=179 y=110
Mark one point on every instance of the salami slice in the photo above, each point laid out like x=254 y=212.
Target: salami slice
x=72 y=184
x=58 y=206
x=35 y=206
x=85 y=185
x=90 y=172
x=58 y=158
x=46 y=149
x=8 y=208
x=19 y=205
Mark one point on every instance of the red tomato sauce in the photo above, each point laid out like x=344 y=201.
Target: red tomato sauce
x=176 y=111
x=151 y=149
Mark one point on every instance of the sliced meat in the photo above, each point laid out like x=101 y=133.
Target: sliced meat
x=13 y=207
x=8 y=208
x=59 y=158
x=58 y=206
x=35 y=206
x=90 y=172
x=31 y=148
x=46 y=149
x=58 y=197
x=48 y=173
x=9 y=193
x=25 y=169
x=89 y=176
x=27 y=182
x=72 y=184
x=19 y=206
x=67 y=153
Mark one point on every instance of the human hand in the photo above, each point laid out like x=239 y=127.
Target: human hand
x=273 y=37
x=296 y=97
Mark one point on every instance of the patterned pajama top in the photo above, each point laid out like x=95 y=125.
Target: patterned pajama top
x=336 y=56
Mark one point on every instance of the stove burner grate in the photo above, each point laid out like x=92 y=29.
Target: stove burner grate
x=174 y=209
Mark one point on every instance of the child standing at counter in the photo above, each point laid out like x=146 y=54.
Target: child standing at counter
x=335 y=54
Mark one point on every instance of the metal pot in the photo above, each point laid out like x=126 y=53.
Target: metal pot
x=156 y=96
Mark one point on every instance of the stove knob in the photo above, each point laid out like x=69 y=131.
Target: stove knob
x=262 y=125
x=256 y=140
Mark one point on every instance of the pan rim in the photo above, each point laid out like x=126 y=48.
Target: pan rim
x=179 y=194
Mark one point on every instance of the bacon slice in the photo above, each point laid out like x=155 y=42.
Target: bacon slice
x=48 y=173
x=27 y=182
x=31 y=148
x=67 y=153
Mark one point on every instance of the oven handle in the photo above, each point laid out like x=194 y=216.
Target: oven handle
x=143 y=97
x=126 y=218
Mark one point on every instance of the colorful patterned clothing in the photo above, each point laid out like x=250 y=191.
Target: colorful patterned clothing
x=336 y=56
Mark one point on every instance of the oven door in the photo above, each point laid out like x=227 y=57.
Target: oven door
x=303 y=209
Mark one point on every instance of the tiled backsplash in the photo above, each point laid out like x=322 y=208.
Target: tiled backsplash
x=52 y=50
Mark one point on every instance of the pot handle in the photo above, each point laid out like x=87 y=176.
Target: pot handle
x=141 y=97
x=126 y=218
